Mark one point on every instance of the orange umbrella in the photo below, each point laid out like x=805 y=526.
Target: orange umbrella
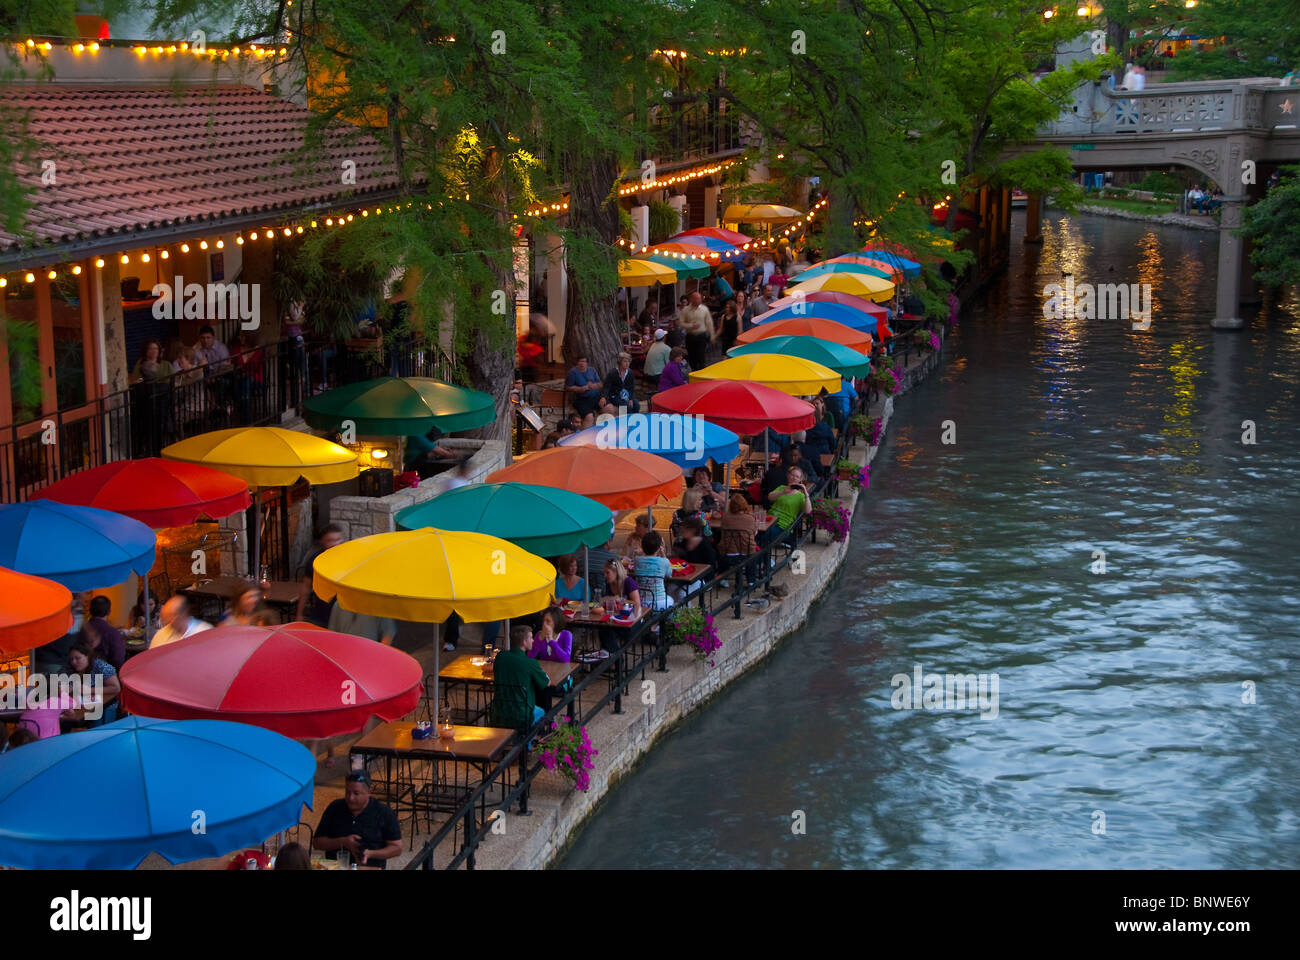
x=619 y=478
x=809 y=327
x=33 y=611
x=866 y=261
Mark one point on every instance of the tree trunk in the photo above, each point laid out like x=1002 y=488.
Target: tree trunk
x=593 y=327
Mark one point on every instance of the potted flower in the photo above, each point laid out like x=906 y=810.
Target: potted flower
x=691 y=626
x=886 y=379
x=877 y=429
x=833 y=517
x=845 y=469
x=569 y=751
x=858 y=425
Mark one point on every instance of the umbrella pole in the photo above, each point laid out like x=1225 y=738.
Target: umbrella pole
x=437 y=655
x=586 y=580
x=257 y=534
x=148 y=620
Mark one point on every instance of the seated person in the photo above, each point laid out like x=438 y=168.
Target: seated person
x=569 y=586
x=109 y=643
x=711 y=501
x=692 y=508
x=651 y=570
x=552 y=641
x=360 y=824
x=674 y=372
x=583 y=387
x=518 y=681
x=739 y=529
x=774 y=476
x=621 y=587
x=788 y=502
x=633 y=545
x=619 y=389
x=697 y=548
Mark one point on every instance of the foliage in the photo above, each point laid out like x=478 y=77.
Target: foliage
x=690 y=625
x=858 y=425
x=833 y=517
x=877 y=429
x=569 y=751
x=1273 y=224
x=845 y=467
x=1263 y=40
x=886 y=377
x=1161 y=183
x=664 y=221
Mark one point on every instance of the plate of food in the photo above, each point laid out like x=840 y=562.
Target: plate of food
x=681 y=568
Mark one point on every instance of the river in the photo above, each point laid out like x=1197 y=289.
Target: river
x=1146 y=716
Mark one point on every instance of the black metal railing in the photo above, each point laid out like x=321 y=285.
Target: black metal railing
x=253 y=388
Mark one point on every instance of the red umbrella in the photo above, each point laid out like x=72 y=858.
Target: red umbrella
x=158 y=493
x=33 y=611
x=737 y=405
x=833 y=296
x=717 y=233
x=296 y=679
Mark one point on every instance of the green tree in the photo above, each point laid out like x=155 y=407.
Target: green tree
x=1273 y=224
x=1262 y=39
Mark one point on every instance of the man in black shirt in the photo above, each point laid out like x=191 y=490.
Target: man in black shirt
x=311 y=607
x=361 y=825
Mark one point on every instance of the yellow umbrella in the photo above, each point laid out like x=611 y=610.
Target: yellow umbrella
x=267 y=457
x=793 y=375
x=858 y=284
x=427 y=574
x=760 y=213
x=644 y=273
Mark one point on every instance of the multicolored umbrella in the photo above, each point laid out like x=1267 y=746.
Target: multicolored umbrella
x=743 y=407
x=845 y=361
x=891 y=272
x=400 y=407
x=543 y=520
x=184 y=789
x=833 y=296
x=159 y=493
x=80 y=547
x=850 y=317
x=620 y=479
x=644 y=273
x=685 y=265
x=805 y=326
x=33 y=611
x=792 y=375
x=859 y=284
x=717 y=233
x=828 y=266
x=910 y=268
x=681 y=440
x=705 y=247
x=238 y=673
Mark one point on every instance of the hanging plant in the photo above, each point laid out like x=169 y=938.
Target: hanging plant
x=569 y=751
x=833 y=517
x=664 y=221
x=691 y=626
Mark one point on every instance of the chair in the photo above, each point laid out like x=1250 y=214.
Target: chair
x=557 y=400
x=509 y=708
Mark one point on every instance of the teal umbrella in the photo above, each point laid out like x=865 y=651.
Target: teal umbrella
x=845 y=361
x=831 y=266
x=687 y=267
x=546 y=521
x=400 y=407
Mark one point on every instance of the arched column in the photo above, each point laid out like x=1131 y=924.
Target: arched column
x=1228 y=287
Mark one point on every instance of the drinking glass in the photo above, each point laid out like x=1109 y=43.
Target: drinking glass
x=345 y=858
x=610 y=603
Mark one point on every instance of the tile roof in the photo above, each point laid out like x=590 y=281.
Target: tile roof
x=134 y=159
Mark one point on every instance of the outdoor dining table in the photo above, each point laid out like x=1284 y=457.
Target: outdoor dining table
x=464 y=673
x=475 y=748
x=278 y=593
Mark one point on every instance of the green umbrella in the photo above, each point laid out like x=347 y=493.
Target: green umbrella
x=545 y=521
x=687 y=267
x=845 y=361
x=400 y=407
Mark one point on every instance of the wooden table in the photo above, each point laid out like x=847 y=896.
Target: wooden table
x=278 y=593
x=462 y=672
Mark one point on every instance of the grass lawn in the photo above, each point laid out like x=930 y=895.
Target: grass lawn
x=1134 y=206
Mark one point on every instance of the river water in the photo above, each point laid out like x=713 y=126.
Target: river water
x=1124 y=734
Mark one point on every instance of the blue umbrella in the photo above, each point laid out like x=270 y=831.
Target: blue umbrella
x=685 y=441
x=83 y=548
x=727 y=251
x=910 y=268
x=185 y=789
x=839 y=312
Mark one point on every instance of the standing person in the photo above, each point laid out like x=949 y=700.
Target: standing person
x=1139 y=78
x=583 y=385
x=787 y=503
x=110 y=644
x=697 y=323
x=312 y=608
x=177 y=623
x=619 y=388
x=730 y=324
x=361 y=825
x=656 y=358
x=674 y=374
x=379 y=629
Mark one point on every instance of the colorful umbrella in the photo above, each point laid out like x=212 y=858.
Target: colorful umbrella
x=792 y=375
x=859 y=284
x=644 y=273
x=158 y=493
x=841 y=266
x=845 y=361
x=400 y=407
x=686 y=266
x=833 y=296
x=33 y=611
x=268 y=456
x=620 y=479
x=806 y=326
x=742 y=407
x=238 y=673
x=184 y=789
x=79 y=547
x=717 y=233
x=706 y=247
x=891 y=272
x=910 y=268
x=542 y=520
x=850 y=317
x=682 y=440
x=760 y=213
